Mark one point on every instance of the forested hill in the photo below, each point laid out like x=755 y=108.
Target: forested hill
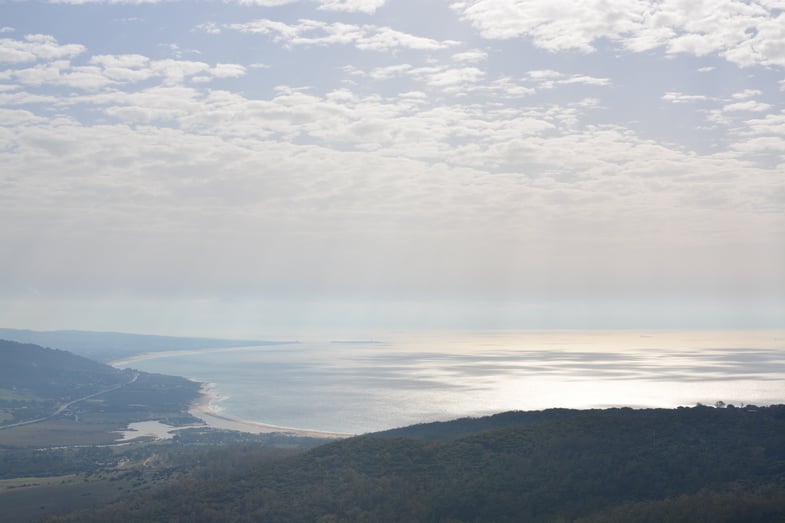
x=450 y=430
x=30 y=370
x=51 y=397
x=692 y=464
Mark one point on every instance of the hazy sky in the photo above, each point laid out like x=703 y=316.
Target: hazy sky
x=230 y=167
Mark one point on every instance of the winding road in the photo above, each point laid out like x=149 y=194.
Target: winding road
x=72 y=402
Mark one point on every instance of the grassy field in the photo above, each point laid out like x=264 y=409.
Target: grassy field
x=60 y=432
x=10 y=395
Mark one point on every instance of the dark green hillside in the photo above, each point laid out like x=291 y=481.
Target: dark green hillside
x=609 y=465
x=448 y=430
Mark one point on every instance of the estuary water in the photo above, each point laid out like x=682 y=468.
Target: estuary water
x=367 y=383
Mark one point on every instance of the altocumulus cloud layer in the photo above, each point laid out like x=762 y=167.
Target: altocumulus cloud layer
x=169 y=165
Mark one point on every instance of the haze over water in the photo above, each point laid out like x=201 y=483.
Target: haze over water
x=363 y=384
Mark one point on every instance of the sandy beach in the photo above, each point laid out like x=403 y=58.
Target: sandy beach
x=124 y=362
x=204 y=409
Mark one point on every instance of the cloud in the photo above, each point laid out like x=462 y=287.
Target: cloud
x=362 y=6
x=356 y=6
x=102 y=70
x=266 y=3
x=82 y=2
x=421 y=173
x=17 y=117
x=677 y=97
x=472 y=56
x=60 y=72
x=745 y=33
x=548 y=79
x=750 y=105
x=36 y=47
x=746 y=93
x=315 y=32
x=352 y=6
x=394 y=219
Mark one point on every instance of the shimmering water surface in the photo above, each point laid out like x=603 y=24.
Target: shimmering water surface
x=363 y=384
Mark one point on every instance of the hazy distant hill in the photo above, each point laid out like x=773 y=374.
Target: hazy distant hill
x=685 y=465
x=48 y=374
x=51 y=397
x=107 y=346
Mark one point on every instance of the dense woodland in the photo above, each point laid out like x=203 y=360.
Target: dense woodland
x=690 y=464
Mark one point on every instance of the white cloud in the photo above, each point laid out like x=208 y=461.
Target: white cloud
x=744 y=33
x=548 y=79
x=677 y=97
x=769 y=125
x=315 y=32
x=762 y=144
x=356 y=6
x=103 y=70
x=82 y=2
x=362 y=6
x=227 y=71
x=472 y=56
x=209 y=28
x=750 y=105
x=746 y=93
x=266 y=3
x=36 y=47
x=117 y=2
x=15 y=117
x=446 y=77
x=60 y=72
x=6 y=29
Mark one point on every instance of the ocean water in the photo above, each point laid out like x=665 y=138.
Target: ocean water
x=369 y=383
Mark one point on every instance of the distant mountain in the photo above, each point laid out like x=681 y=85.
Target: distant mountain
x=684 y=465
x=108 y=346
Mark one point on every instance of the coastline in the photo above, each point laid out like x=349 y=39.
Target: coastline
x=124 y=361
x=203 y=409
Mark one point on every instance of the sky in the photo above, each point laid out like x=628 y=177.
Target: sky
x=235 y=167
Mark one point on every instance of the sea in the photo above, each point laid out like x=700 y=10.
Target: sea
x=357 y=384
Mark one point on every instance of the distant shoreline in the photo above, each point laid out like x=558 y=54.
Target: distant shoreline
x=123 y=362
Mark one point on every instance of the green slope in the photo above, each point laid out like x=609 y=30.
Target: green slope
x=51 y=397
x=597 y=465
